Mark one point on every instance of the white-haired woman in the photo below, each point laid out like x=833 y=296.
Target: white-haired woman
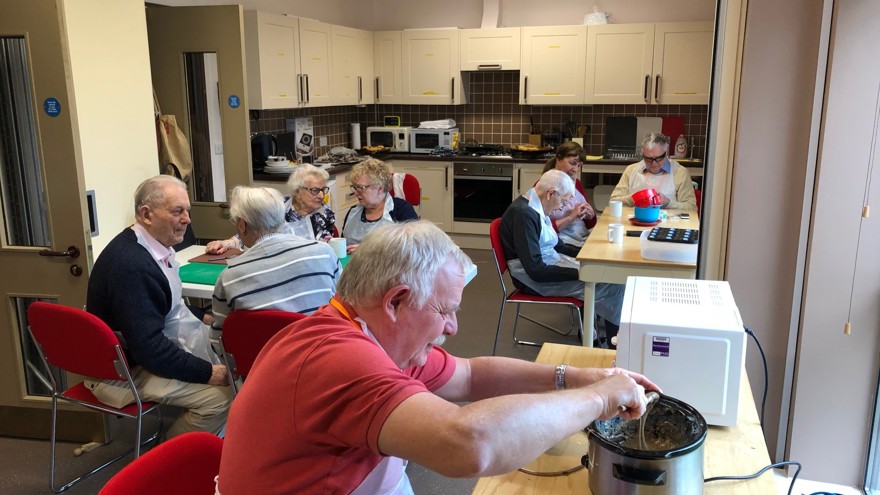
x=540 y=262
x=305 y=212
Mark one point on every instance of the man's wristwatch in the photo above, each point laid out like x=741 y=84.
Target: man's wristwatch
x=560 y=376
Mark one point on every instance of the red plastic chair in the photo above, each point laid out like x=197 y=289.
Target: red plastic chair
x=699 y=196
x=517 y=297
x=81 y=343
x=184 y=465
x=412 y=191
x=245 y=333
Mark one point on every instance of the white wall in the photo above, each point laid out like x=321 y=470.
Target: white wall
x=379 y=15
x=111 y=78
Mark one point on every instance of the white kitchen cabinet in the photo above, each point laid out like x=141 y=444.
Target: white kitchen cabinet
x=387 y=67
x=527 y=174
x=490 y=49
x=431 y=73
x=664 y=63
x=352 y=66
x=315 y=66
x=436 y=183
x=272 y=54
x=553 y=65
x=288 y=61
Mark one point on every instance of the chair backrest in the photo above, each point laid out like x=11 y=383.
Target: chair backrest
x=186 y=464
x=699 y=196
x=410 y=189
x=74 y=340
x=497 y=248
x=245 y=333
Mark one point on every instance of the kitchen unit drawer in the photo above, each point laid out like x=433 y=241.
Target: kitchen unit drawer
x=490 y=49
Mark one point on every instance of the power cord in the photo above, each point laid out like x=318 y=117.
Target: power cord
x=762 y=471
x=766 y=377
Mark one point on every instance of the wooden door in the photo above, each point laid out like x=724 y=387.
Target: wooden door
x=272 y=54
x=430 y=67
x=314 y=52
x=387 y=67
x=490 y=49
x=175 y=35
x=352 y=66
x=682 y=63
x=43 y=199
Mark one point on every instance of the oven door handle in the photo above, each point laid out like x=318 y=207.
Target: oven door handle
x=483 y=177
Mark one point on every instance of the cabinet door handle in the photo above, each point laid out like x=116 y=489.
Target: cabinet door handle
x=360 y=89
x=519 y=178
x=526 y=89
x=377 y=90
x=489 y=67
x=657 y=89
x=308 y=93
x=453 y=89
x=647 y=83
x=446 y=180
x=299 y=89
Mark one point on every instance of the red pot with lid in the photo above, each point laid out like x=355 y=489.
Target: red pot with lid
x=646 y=197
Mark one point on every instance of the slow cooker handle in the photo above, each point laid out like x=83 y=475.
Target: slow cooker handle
x=637 y=476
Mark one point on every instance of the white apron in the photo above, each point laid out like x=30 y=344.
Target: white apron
x=355 y=229
x=181 y=326
x=663 y=183
x=576 y=232
x=300 y=228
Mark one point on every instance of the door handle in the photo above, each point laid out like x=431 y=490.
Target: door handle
x=453 y=90
x=526 y=90
x=308 y=93
x=223 y=206
x=647 y=83
x=360 y=89
x=377 y=90
x=72 y=252
x=657 y=89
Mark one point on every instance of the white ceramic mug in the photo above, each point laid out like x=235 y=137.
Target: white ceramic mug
x=338 y=245
x=615 y=208
x=615 y=233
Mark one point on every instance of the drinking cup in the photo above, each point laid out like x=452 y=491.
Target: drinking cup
x=615 y=233
x=338 y=245
x=615 y=208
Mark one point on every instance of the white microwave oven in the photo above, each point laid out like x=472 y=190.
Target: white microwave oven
x=393 y=138
x=425 y=140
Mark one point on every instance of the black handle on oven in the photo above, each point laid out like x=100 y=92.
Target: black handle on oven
x=483 y=177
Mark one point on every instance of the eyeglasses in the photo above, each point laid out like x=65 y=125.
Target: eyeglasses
x=657 y=159
x=316 y=191
x=360 y=189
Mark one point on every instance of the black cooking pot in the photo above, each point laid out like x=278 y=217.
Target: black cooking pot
x=262 y=147
x=669 y=463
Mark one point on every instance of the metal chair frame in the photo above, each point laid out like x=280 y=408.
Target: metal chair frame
x=142 y=408
x=519 y=298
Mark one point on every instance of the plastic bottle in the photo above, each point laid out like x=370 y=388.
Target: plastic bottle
x=681 y=147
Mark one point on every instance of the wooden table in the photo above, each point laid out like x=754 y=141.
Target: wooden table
x=738 y=450
x=603 y=261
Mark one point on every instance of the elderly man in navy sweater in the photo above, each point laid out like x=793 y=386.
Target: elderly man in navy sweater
x=135 y=288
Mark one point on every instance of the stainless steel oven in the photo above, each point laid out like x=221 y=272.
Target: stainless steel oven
x=481 y=191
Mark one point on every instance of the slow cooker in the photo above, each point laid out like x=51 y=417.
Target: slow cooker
x=669 y=462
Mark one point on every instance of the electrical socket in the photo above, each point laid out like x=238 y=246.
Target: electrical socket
x=322 y=141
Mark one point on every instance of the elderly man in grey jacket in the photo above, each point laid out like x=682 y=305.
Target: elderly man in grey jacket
x=277 y=270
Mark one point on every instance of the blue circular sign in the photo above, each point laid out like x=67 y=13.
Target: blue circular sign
x=234 y=101
x=52 y=107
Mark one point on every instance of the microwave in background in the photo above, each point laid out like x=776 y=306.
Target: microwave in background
x=425 y=140
x=393 y=138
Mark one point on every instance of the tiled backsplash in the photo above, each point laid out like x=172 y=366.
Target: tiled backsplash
x=492 y=115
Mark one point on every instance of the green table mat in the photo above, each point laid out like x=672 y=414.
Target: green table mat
x=201 y=273
x=344 y=261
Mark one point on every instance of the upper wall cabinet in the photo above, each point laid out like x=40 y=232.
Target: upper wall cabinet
x=272 y=53
x=490 y=49
x=288 y=61
x=387 y=67
x=553 y=65
x=666 y=63
x=352 y=66
x=431 y=72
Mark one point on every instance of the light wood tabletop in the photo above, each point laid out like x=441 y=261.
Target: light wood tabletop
x=602 y=261
x=738 y=450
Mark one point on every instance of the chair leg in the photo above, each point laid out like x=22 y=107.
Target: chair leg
x=516 y=323
x=498 y=330
x=571 y=326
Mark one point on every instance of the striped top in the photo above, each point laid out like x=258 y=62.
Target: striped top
x=281 y=272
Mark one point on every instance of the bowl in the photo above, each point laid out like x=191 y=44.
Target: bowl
x=648 y=214
x=646 y=197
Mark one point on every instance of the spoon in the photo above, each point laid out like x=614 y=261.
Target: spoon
x=652 y=397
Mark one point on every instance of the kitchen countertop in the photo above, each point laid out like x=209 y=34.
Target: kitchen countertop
x=342 y=168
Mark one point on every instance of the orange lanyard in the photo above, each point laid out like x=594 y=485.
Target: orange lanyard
x=338 y=305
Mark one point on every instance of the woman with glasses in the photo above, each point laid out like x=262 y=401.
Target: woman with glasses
x=656 y=171
x=371 y=182
x=305 y=212
x=574 y=221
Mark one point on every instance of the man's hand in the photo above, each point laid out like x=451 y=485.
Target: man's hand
x=620 y=395
x=218 y=376
x=665 y=200
x=581 y=377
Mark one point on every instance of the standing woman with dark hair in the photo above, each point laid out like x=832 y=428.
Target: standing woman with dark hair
x=574 y=221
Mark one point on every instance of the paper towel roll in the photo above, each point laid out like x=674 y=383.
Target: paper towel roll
x=355 y=136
